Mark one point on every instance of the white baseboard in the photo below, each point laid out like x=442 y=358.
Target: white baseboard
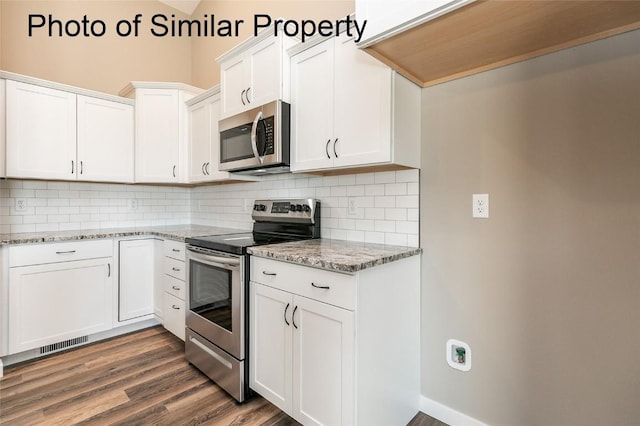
x=447 y=414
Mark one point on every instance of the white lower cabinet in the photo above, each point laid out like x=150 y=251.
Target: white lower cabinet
x=137 y=266
x=174 y=286
x=53 y=302
x=322 y=345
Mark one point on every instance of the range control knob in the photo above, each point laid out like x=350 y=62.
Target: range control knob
x=298 y=207
x=307 y=209
x=260 y=207
x=292 y=207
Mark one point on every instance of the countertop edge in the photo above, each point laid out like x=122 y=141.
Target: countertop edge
x=319 y=263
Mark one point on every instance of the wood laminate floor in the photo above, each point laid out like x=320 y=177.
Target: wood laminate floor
x=141 y=378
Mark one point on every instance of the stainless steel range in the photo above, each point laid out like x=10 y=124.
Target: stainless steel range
x=218 y=275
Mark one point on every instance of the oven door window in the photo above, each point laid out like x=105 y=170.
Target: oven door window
x=210 y=293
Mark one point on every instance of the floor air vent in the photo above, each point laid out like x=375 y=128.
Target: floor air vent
x=63 y=345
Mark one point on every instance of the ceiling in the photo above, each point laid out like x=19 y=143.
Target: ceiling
x=186 y=6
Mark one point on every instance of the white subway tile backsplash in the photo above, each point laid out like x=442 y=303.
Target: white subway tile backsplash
x=387 y=204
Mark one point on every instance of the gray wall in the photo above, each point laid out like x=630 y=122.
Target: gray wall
x=546 y=291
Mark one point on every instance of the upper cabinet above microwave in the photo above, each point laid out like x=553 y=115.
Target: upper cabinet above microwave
x=254 y=73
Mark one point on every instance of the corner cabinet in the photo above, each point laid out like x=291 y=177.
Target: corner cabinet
x=323 y=348
x=350 y=110
x=204 y=139
x=58 y=292
x=254 y=73
x=160 y=130
x=67 y=134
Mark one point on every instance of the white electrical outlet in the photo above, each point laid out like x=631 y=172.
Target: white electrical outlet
x=480 y=206
x=352 y=209
x=133 y=204
x=21 y=204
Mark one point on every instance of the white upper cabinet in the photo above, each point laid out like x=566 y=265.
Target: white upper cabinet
x=60 y=134
x=385 y=18
x=41 y=132
x=254 y=73
x=161 y=130
x=350 y=110
x=2 y=134
x=204 y=139
x=105 y=140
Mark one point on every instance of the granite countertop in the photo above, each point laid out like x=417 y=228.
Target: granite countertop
x=335 y=255
x=174 y=232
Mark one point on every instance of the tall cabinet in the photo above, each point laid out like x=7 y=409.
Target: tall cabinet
x=161 y=130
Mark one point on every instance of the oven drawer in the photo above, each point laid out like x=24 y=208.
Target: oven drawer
x=174 y=249
x=218 y=365
x=174 y=286
x=306 y=281
x=175 y=268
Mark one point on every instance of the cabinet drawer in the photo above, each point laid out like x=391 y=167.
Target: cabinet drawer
x=36 y=254
x=174 y=315
x=175 y=268
x=306 y=281
x=174 y=249
x=174 y=286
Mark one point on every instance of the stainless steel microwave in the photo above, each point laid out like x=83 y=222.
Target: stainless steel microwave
x=256 y=141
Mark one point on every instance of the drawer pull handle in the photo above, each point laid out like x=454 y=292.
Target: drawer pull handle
x=108 y=270
x=175 y=287
x=176 y=250
x=66 y=252
x=293 y=316
x=176 y=269
x=175 y=307
x=273 y=274
x=285 y=314
x=324 y=287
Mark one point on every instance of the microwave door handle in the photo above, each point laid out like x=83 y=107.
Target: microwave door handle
x=254 y=142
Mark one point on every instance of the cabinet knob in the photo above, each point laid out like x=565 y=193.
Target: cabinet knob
x=273 y=274
x=175 y=307
x=334 y=148
x=176 y=269
x=285 y=314
x=175 y=287
x=175 y=250
x=326 y=148
x=293 y=317
x=241 y=97
x=247 y=95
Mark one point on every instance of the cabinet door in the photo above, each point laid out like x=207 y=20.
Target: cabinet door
x=362 y=106
x=174 y=315
x=270 y=345
x=265 y=71
x=137 y=275
x=312 y=108
x=59 y=301
x=2 y=134
x=234 y=82
x=199 y=140
x=105 y=140
x=41 y=132
x=323 y=363
x=157 y=135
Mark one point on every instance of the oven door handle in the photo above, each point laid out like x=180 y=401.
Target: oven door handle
x=205 y=257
